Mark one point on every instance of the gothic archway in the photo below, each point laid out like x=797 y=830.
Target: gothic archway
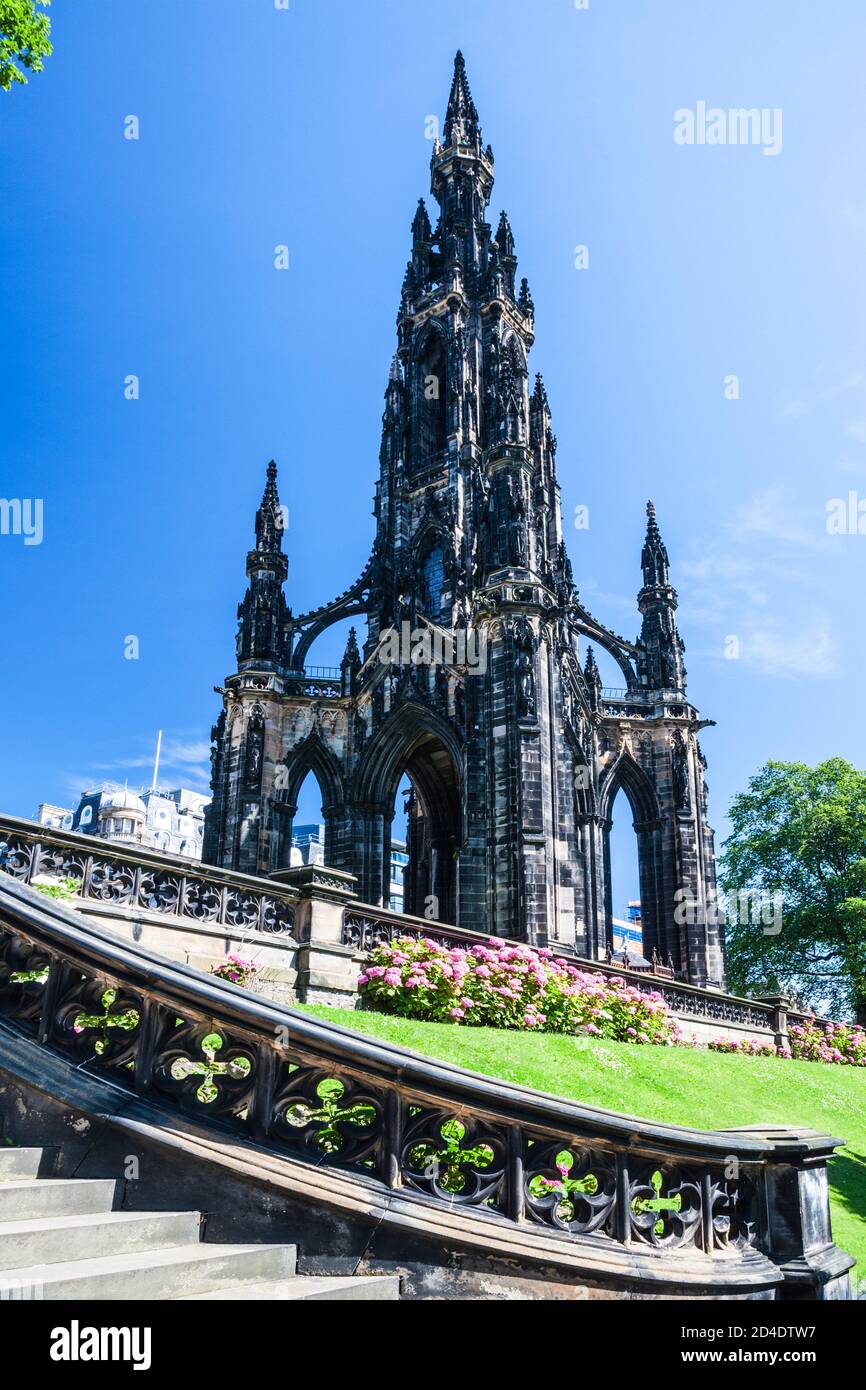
x=429 y=404
x=313 y=757
x=628 y=777
x=416 y=744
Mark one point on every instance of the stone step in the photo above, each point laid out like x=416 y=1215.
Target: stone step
x=385 y=1287
x=152 y=1274
x=26 y=1163
x=47 y=1239
x=24 y=1198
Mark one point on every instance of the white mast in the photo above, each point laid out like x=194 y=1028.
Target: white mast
x=156 y=763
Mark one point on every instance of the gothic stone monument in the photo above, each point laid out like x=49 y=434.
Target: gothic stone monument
x=513 y=750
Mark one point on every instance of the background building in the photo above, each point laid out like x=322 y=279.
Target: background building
x=627 y=934
x=171 y=821
x=308 y=847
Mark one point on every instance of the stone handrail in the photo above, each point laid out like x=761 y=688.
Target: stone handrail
x=427 y=1145
x=133 y=876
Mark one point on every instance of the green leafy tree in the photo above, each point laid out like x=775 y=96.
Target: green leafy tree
x=24 y=39
x=800 y=832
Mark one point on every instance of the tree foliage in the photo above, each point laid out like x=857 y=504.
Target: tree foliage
x=801 y=832
x=24 y=39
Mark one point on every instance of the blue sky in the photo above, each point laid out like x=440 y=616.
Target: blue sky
x=306 y=127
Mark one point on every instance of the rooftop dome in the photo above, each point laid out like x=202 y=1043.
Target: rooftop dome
x=123 y=801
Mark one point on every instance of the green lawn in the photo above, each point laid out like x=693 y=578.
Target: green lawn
x=685 y=1086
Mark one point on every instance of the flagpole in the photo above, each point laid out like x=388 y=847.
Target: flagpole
x=156 y=763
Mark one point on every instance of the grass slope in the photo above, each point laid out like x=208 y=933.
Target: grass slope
x=681 y=1085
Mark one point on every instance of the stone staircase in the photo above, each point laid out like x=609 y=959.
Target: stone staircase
x=60 y=1239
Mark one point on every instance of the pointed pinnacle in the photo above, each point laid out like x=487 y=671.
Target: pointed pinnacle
x=270 y=493
x=461 y=108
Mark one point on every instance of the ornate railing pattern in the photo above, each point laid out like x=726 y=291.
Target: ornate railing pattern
x=136 y=878
x=716 y=1008
x=323 y=687
x=321 y=1094
x=365 y=927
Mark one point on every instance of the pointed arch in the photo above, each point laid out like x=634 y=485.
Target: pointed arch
x=313 y=755
x=339 y=611
x=626 y=773
x=417 y=742
x=429 y=559
x=405 y=732
x=429 y=393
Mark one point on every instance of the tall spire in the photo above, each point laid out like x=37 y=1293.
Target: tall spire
x=261 y=637
x=461 y=182
x=654 y=556
x=660 y=661
x=461 y=118
x=269 y=517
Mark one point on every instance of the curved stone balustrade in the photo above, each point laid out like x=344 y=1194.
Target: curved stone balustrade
x=135 y=877
x=356 y=1124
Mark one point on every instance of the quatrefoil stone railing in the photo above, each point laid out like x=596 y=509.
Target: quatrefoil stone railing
x=425 y=1145
x=137 y=879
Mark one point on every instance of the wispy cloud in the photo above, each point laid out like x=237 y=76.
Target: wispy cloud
x=769 y=516
x=173 y=754
x=808 y=651
x=802 y=402
x=755 y=582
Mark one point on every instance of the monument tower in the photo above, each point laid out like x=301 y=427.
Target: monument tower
x=494 y=709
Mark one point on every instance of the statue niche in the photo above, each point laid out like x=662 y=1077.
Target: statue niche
x=430 y=433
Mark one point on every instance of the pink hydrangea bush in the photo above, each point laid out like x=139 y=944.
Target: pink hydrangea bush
x=842 y=1043
x=748 y=1047
x=502 y=984
x=237 y=970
